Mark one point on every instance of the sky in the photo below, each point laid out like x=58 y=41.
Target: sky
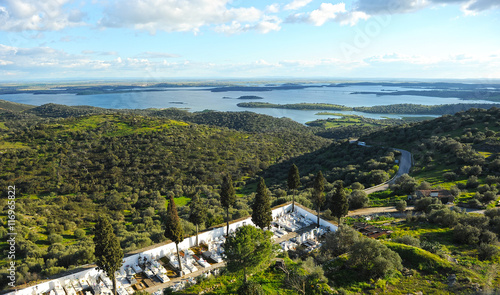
x=156 y=40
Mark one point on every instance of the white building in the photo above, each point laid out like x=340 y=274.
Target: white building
x=91 y=276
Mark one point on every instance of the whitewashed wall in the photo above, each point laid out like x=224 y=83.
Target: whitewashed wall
x=170 y=248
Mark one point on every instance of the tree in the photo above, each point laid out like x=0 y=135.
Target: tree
x=424 y=204
x=173 y=228
x=227 y=197
x=248 y=249
x=340 y=241
x=197 y=214
x=339 y=204
x=357 y=199
x=373 y=258
x=262 y=214
x=306 y=277
x=401 y=205
x=251 y=288
x=293 y=182
x=108 y=252
x=317 y=196
x=405 y=185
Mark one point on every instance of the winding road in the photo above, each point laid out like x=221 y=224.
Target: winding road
x=404 y=167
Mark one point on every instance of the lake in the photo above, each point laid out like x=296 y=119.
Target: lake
x=199 y=99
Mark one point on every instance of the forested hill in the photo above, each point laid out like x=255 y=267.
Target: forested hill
x=13 y=106
x=479 y=123
x=462 y=150
x=243 y=121
x=111 y=150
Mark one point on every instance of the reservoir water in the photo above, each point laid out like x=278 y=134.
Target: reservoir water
x=198 y=99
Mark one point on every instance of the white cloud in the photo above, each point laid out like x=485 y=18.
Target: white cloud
x=150 y=54
x=36 y=15
x=328 y=12
x=374 y=7
x=5 y=62
x=264 y=26
x=179 y=15
x=273 y=8
x=296 y=4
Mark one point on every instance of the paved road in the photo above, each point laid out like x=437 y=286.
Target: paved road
x=404 y=167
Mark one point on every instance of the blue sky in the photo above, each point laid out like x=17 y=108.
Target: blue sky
x=210 y=39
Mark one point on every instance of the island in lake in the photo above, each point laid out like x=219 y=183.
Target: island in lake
x=244 y=97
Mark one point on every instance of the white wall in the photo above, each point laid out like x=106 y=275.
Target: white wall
x=170 y=248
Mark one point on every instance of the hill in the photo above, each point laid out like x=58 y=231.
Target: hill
x=67 y=170
x=461 y=150
x=13 y=106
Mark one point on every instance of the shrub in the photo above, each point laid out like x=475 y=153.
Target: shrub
x=488 y=197
x=79 y=233
x=250 y=288
x=487 y=252
x=466 y=234
x=357 y=199
x=491 y=213
x=472 y=182
x=432 y=247
x=405 y=185
x=340 y=241
x=423 y=204
x=54 y=238
x=444 y=217
x=374 y=259
x=408 y=240
x=479 y=221
x=401 y=206
x=450 y=176
x=487 y=237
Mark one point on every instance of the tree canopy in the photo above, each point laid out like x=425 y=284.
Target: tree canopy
x=248 y=249
x=227 y=196
x=108 y=252
x=293 y=182
x=262 y=213
x=173 y=227
x=197 y=213
x=318 y=197
x=339 y=204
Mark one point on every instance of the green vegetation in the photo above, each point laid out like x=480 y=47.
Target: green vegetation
x=173 y=228
x=459 y=152
x=352 y=126
x=70 y=166
x=261 y=209
x=108 y=253
x=248 y=250
x=462 y=94
x=405 y=108
x=296 y=106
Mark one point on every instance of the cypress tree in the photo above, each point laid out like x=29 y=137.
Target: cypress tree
x=318 y=197
x=173 y=228
x=262 y=214
x=293 y=182
x=108 y=252
x=198 y=213
x=339 y=204
x=227 y=197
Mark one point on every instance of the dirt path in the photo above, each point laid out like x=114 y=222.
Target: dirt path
x=376 y=210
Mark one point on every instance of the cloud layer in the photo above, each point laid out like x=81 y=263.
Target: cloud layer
x=36 y=15
x=217 y=15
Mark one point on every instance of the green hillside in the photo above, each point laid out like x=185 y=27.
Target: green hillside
x=462 y=150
